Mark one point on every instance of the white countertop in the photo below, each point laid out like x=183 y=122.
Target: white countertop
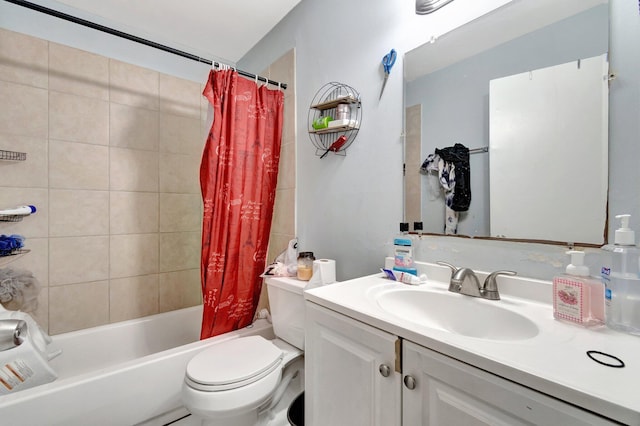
x=553 y=362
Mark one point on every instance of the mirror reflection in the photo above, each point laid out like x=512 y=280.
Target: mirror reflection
x=448 y=102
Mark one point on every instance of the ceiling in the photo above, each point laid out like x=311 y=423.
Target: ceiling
x=224 y=30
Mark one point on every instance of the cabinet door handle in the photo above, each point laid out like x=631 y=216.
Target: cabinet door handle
x=409 y=382
x=385 y=370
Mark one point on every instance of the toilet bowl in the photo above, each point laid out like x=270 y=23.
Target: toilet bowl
x=237 y=382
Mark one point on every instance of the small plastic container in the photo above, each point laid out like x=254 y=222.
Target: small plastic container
x=343 y=112
x=321 y=122
x=305 y=265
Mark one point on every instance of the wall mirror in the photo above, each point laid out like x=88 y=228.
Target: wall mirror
x=447 y=101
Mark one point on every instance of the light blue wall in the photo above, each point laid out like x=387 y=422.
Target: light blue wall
x=461 y=112
x=624 y=115
x=348 y=208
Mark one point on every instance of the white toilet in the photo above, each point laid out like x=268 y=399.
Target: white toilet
x=236 y=383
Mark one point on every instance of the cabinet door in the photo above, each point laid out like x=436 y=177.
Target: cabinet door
x=350 y=374
x=448 y=392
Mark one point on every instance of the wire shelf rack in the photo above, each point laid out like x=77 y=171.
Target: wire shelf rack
x=325 y=104
x=12 y=155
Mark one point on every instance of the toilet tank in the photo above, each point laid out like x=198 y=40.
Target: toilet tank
x=287 y=309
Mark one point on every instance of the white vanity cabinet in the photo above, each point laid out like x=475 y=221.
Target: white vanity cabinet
x=350 y=372
x=439 y=391
x=354 y=376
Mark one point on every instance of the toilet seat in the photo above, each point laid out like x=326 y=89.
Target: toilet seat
x=235 y=364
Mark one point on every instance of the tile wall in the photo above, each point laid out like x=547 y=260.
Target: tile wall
x=113 y=152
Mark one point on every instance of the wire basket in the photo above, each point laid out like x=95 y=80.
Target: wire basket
x=324 y=110
x=11 y=217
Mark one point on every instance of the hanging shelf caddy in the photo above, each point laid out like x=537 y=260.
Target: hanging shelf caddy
x=336 y=111
x=15 y=255
x=12 y=155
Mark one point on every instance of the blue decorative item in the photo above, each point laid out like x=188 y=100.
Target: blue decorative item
x=10 y=244
x=387 y=63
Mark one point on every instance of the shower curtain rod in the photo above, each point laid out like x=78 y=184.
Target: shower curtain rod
x=137 y=39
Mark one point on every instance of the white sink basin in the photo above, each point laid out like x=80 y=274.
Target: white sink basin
x=459 y=314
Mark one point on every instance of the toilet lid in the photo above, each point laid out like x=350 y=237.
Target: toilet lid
x=233 y=363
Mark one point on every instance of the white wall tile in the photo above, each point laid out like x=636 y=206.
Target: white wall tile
x=133 y=212
x=133 y=297
x=78 y=259
x=179 y=289
x=78 y=119
x=133 y=254
x=78 y=213
x=179 y=96
x=179 y=173
x=133 y=170
x=78 y=165
x=79 y=72
x=23 y=110
x=180 y=135
x=133 y=85
x=179 y=250
x=180 y=212
x=77 y=306
x=24 y=59
x=132 y=127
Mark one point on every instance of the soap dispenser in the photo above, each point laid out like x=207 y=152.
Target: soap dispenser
x=577 y=297
x=620 y=276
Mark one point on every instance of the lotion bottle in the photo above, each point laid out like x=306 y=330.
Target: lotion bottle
x=18 y=211
x=620 y=276
x=577 y=297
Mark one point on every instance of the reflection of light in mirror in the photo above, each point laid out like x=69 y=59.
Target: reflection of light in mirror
x=420 y=29
x=424 y=7
x=479 y=34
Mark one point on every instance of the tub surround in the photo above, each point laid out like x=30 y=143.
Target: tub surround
x=553 y=362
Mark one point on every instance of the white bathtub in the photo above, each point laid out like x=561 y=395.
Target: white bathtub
x=119 y=374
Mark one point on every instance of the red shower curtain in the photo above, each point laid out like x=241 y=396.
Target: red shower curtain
x=238 y=176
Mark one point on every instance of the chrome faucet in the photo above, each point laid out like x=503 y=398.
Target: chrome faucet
x=465 y=281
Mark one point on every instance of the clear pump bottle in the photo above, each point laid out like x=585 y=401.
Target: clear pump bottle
x=620 y=276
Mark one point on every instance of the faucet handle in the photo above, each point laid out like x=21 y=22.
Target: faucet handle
x=490 y=287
